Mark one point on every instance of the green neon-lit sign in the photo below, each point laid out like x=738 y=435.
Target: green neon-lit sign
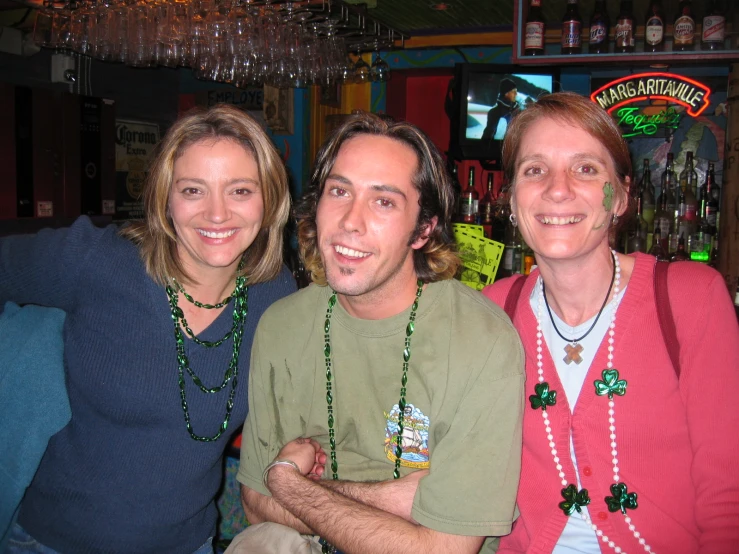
x=636 y=123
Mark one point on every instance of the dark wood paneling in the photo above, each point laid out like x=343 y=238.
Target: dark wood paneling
x=107 y=151
x=44 y=180
x=7 y=152
x=69 y=132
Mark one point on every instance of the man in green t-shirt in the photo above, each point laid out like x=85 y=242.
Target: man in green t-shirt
x=385 y=408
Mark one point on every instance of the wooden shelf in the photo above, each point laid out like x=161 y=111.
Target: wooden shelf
x=552 y=56
x=633 y=58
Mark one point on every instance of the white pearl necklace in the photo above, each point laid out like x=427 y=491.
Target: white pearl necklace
x=611 y=410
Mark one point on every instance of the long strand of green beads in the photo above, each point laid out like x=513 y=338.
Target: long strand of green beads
x=326 y=547
x=240 y=297
x=404 y=380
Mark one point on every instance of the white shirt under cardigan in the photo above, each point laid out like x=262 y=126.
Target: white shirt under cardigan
x=577 y=536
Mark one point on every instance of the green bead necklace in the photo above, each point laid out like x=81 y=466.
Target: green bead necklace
x=327 y=548
x=190 y=299
x=240 y=297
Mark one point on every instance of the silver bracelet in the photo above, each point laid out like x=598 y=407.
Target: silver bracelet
x=277 y=463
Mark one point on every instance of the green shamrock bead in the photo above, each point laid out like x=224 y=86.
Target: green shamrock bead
x=543 y=397
x=574 y=500
x=610 y=384
x=621 y=499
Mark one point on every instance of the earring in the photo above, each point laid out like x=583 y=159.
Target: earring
x=513 y=220
x=615 y=219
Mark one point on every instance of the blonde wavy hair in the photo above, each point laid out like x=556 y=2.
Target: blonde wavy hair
x=155 y=235
x=437 y=259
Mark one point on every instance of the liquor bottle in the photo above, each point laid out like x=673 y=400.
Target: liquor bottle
x=638 y=240
x=714 y=27
x=571 y=41
x=700 y=247
x=662 y=220
x=669 y=192
x=513 y=252
x=684 y=27
x=689 y=186
x=714 y=254
x=657 y=250
x=533 y=44
x=501 y=213
x=680 y=254
x=688 y=176
x=487 y=203
x=456 y=185
x=678 y=224
x=467 y=200
x=625 y=28
x=647 y=193
x=654 y=31
x=712 y=199
x=600 y=24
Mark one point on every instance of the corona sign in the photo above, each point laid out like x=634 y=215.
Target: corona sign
x=654 y=86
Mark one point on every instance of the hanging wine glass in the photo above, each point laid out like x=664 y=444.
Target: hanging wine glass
x=380 y=70
x=243 y=42
x=42 y=29
x=361 y=67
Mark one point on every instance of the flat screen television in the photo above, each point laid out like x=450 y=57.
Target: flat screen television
x=484 y=98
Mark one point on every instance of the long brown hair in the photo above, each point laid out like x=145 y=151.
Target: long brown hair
x=437 y=259
x=155 y=235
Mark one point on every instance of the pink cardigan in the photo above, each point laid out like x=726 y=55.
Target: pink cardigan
x=678 y=443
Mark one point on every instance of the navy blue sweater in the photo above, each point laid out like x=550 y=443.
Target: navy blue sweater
x=124 y=476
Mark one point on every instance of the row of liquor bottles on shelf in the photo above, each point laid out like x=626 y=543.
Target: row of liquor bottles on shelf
x=518 y=258
x=681 y=219
x=474 y=209
x=492 y=212
x=676 y=219
x=684 y=35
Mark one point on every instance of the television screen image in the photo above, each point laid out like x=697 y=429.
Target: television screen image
x=484 y=99
x=493 y=99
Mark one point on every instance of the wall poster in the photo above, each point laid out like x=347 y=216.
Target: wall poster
x=134 y=147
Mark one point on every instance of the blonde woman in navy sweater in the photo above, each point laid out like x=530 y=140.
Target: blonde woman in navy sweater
x=160 y=319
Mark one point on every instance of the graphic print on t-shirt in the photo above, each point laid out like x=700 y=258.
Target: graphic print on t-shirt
x=414 y=440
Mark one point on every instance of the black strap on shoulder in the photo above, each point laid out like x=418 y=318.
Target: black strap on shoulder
x=511 y=300
x=662 y=299
x=664 y=314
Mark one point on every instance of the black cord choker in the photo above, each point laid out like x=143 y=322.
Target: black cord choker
x=573 y=349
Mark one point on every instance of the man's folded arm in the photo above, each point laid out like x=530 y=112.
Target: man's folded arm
x=260 y=508
x=352 y=526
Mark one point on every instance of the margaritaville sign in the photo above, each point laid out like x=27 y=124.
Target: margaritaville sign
x=654 y=86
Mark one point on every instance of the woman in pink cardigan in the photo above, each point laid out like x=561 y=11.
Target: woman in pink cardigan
x=623 y=451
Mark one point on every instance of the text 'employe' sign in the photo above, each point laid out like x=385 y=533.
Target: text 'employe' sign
x=654 y=86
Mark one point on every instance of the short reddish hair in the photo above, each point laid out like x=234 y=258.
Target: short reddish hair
x=578 y=111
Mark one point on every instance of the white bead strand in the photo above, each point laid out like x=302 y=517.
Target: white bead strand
x=611 y=409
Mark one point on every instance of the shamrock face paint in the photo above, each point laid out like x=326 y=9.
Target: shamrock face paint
x=608 y=196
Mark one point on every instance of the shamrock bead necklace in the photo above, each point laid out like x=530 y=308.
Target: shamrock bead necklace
x=610 y=385
x=240 y=297
x=327 y=548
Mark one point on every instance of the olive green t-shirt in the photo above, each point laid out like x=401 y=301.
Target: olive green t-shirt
x=464 y=400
